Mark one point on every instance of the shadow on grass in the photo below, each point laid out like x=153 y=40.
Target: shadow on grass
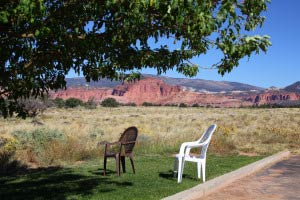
x=170 y=175
x=56 y=183
x=99 y=172
x=167 y=175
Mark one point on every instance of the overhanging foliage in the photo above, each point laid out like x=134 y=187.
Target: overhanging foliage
x=42 y=40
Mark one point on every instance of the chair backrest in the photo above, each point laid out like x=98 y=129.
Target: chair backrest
x=129 y=135
x=206 y=137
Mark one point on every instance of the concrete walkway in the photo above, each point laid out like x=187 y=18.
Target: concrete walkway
x=280 y=181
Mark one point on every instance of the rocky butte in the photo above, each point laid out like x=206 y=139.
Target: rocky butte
x=155 y=90
x=83 y=93
x=272 y=97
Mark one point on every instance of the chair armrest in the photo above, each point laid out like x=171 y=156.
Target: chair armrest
x=196 y=145
x=101 y=143
x=190 y=143
x=112 y=143
x=109 y=147
x=104 y=143
x=131 y=142
x=186 y=145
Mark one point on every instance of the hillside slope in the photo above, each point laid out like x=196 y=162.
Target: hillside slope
x=198 y=85
x=295 y=87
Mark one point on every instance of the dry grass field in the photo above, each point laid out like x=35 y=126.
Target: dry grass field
x=70 y=135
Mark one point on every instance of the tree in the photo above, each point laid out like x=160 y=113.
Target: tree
x=183 y=105
x=147 y=104
x=59 y=102
x=109 y=102
x=42 y=40
x=73 y=102
x=30 y=107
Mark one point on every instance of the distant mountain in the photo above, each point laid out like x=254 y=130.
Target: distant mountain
x=200 y=85
x=295 y=87
x=81 y=82
x=197 y=85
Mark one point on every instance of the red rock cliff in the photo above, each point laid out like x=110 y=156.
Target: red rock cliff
x=270 y=97
x=156 y=91
x=82 y=93
x=146 y=90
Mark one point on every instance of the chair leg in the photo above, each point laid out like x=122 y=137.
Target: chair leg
x=104 y=163
x=132 y=164
x=180 y=169
x=118 y=164
x=199 y=169
x=203 y=170
x=175 y=169
x=123 y=163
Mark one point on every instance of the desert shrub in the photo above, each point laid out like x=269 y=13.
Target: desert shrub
x=45 y=147
x=109 y=102
x=7 y=150
x=227 y=129
x=222 y=145
x=73 y=102
x=37 y=138
x=183 y=105
x=90 y=104
x=48 y=102
x=69 y=150
x=59 y=102
x=30 y=107
x=195 y=105
x=24 y=107
x=130 y=104
x=283 y=104
x=150 y=104
x=32 y=144
x=147 y=104
x=171 y=105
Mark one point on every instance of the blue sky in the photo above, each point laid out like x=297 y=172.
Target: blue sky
x=279 y=66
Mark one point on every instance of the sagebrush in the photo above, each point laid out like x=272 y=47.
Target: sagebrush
x=74 y=134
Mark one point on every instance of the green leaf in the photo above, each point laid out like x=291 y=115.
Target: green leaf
x=37 y=33
x=169 y=9
x=4 y=17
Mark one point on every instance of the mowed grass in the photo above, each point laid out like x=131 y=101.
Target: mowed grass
x=153 y=179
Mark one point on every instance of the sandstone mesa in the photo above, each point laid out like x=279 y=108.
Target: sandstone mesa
x=156 y=91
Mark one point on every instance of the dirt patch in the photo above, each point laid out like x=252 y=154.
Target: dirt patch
x=248 y=154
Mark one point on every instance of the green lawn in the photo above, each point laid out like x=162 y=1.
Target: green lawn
x=153 y=179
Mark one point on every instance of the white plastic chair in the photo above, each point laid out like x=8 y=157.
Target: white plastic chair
x=184 y=154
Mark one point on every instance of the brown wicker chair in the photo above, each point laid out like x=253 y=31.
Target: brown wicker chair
x=121 y=149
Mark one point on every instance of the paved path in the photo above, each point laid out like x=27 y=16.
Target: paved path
x=280 y=181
